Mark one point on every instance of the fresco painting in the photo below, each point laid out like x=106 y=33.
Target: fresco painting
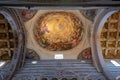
x=58 y=31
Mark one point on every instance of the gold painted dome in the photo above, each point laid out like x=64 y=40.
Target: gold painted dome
x=58 y=30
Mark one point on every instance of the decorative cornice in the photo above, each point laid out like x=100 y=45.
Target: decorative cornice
x=57 y=3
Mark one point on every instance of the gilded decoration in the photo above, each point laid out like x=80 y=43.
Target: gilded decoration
x=58 y=31
x=110 y=37
x=6 y=39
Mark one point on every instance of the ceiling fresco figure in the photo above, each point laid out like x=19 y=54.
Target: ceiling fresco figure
x=27 y=14
x=85 y=54
x=32 y=55
x=58 y=31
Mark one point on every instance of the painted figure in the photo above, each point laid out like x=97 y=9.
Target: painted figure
x=44 y=29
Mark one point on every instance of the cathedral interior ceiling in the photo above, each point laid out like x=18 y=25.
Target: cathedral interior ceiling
x=73 y=28
x=66 y=32
x=58 y=31
x=49 y=43
x=51 y=32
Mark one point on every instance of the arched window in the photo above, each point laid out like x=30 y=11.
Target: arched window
x=64 y=79
x=54 y=79
x=44 y=79
x=74 y=79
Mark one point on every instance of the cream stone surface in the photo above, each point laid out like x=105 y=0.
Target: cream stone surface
x=47 y=54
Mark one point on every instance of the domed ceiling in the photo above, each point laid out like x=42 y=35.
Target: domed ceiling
x=58 y=31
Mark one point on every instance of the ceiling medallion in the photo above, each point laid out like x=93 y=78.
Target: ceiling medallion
x=58 y=31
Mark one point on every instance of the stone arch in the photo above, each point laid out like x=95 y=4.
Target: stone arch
x=95 y=42
x=17 y=26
